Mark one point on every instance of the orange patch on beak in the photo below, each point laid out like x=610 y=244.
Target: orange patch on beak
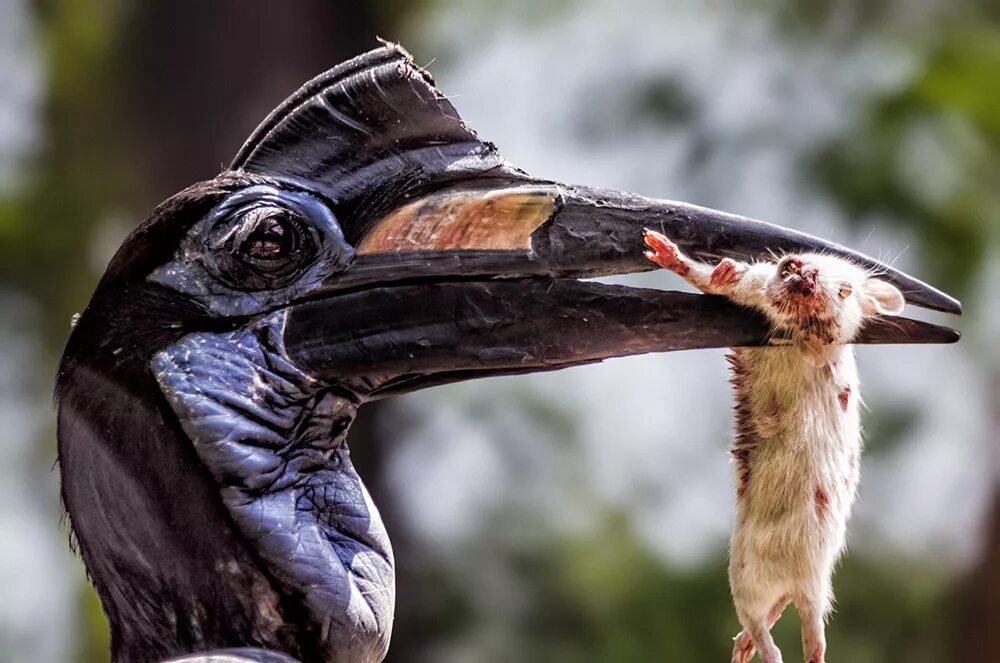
x=487 y=220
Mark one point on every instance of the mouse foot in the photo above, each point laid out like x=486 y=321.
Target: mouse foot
x=725 y=273
x=664 y=252
x=743 y=649
x=818 y=655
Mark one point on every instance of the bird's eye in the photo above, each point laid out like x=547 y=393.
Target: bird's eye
x=271 y=238
x=264 y=248
x=789 y=267
x=268 y=240
x=845 y=290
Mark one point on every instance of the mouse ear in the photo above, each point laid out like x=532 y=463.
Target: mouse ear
x=879 y=297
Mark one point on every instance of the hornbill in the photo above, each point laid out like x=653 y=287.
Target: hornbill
x=364 y=242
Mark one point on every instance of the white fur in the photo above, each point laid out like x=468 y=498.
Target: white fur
x=786 y=540
x=803 y=467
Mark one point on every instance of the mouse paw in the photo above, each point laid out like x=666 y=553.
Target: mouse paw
x=818 y=655
x=743 y=649
x=664 y=252
x=725 y=273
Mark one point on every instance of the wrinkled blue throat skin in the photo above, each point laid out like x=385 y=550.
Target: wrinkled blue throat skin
x=274 y=440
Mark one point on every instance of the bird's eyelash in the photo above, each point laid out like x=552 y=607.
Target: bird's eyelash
x=224 y=239
x=236 y=233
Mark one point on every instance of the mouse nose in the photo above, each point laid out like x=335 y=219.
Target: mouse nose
x=806 y=283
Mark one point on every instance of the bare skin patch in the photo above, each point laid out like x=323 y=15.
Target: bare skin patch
x=821 y=499
x=844 y=397
x=485 y=220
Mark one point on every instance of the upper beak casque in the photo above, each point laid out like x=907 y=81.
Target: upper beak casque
x=467 y=267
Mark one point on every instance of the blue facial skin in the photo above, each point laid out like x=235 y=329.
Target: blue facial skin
x=207 y=269
x=274 y=438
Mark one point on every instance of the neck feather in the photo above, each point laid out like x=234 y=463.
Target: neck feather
x=172 y=573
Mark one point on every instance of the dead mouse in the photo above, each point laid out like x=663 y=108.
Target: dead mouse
x=797 y=432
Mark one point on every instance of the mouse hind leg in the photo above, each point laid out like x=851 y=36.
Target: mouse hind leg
x=812 y=611
x=756 y=636
x=813 y=635
x=745 y=643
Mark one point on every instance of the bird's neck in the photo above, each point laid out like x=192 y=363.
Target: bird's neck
x=274 y=441
x=178 y=549
x=159 y=546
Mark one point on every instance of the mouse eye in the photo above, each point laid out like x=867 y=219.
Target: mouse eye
x=789 y=267
x=845 y=290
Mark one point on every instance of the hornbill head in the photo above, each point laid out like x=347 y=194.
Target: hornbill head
x=364 y=242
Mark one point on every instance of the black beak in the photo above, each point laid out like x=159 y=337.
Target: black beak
x=431 y=299
x=467 y=267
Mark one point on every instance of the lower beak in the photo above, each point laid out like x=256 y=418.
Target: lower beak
x=482 y=280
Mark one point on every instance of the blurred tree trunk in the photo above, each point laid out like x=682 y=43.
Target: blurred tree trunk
x=976 y=636
x=976 y=628
x=201 y=75
x=370 y=451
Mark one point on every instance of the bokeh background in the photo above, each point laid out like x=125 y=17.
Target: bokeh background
x=582 y=515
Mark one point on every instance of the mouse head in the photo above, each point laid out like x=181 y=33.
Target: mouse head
x=827 y=298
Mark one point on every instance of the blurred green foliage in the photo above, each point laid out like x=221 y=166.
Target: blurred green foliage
x=606 y=596
x=928 y=155
x=47 y=228
x=603 y=596
x=888 y=426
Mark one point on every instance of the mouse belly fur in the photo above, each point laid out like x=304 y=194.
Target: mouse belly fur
x=797 y=448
